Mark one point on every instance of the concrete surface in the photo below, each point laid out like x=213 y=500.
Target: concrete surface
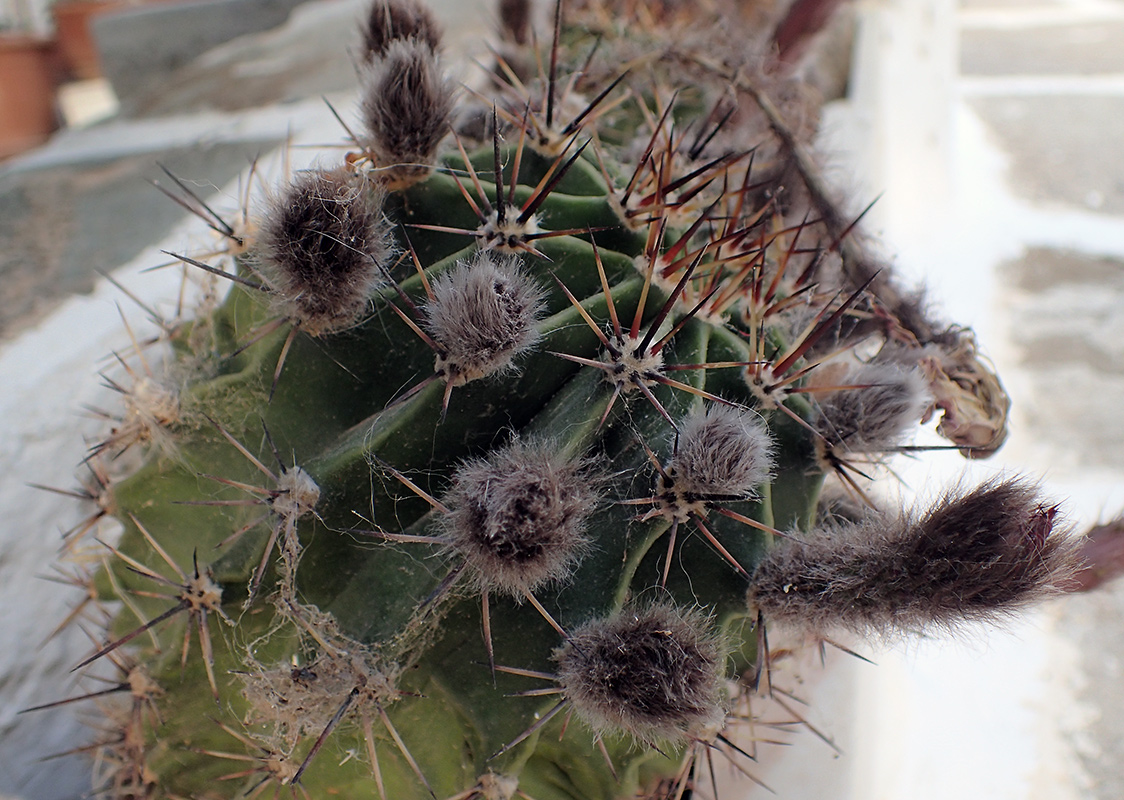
x=53 y=221
x=141 y=47
x=1063 y=146
x=1077 y=49
x=311 y=55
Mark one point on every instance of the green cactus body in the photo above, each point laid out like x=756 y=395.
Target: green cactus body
x=352 y=644
x=375 y=589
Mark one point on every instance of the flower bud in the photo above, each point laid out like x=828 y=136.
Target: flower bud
x=653 y=672
x=978 y=556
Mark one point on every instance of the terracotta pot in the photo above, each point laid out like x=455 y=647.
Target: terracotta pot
x=28 y=78
x=74 y=35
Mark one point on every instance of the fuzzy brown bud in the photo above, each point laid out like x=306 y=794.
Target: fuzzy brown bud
x=880 y=404
x=389 y=20
x=406 y=108
x=518 y=517
x=654 y=672
x=722 y=452
x=974 y=557
x=321 y=246
x=482 y=316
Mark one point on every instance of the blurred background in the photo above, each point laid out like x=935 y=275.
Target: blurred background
x=992 y=132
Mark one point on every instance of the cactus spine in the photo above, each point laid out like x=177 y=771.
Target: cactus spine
x=541 y=407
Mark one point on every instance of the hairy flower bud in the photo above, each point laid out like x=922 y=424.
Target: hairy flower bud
x=518 y=517
x=321 y=246
x=722 y=452
x=977 y=556
x=482 y=316
x=653 y=672
x=406 y=108
x=881 y=403
x=389 y=20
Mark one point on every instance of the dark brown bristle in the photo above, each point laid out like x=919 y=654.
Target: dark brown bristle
x=389 y=20
x=407 y=104
x=321 y=246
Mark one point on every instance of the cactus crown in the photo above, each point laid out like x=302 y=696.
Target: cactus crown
x=560 y=388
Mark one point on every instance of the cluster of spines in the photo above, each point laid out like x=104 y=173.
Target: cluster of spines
x=721 y=249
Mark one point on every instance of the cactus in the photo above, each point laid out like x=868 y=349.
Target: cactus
x=523 y=412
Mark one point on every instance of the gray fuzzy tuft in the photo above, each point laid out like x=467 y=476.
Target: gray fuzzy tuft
x=320 y=249
x=971 y=557
x=653 y=672
x=875 y=417
x=518 y=517
x=722 y=452
x=482 y=316
x=407 y=105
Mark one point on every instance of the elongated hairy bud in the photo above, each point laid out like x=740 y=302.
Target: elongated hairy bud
x=977 y=556
x=653 y=672
x=321 y=246
x=407 y=104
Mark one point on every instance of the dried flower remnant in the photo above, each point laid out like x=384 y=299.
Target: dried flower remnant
x=974 y=403
x=976 y=556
